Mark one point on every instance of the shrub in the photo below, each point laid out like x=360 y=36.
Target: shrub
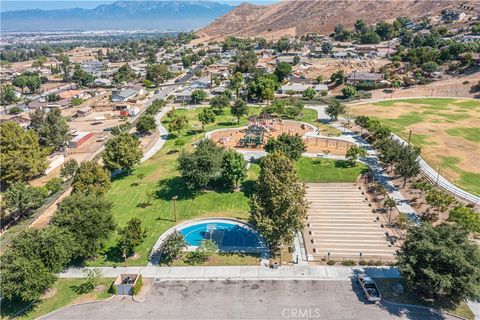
x=138 y=285
x=113 y=288
x=348 y=263
x=363 y=263
x=203 y=253
x=331 y=262
x=54 y=185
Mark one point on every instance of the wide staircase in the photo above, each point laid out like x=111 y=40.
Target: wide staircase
x=340 y=225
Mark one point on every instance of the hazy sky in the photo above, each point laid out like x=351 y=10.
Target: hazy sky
x=10 y=5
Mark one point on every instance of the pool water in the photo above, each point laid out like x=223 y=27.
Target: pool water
x=228 y=236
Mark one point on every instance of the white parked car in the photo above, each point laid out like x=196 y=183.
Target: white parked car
x=369 y=287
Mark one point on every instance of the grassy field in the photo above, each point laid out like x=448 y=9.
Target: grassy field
x=313 y=170
x=447 y=130
x=63 y=294
x=387 y=286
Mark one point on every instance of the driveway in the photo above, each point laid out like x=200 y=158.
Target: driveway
x=326 y=300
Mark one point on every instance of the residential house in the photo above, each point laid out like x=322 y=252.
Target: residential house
x=18 y=119
x=470 y=39
x=102 y=83
x=83 y=112
x=453 y=15
x=200 y=83
x=123 y=95
x=183 y=96
x=296 y=88
x=356 y=77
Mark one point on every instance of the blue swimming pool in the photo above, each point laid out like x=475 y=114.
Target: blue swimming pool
x=228 y=235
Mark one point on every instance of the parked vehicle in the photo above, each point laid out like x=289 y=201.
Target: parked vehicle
x=369 y=287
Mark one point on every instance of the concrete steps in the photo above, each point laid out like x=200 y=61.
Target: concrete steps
x=340 y=222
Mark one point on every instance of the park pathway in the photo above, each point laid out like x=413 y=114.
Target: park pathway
x=372 y=161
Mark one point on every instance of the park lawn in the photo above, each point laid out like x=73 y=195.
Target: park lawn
x=386 y=287
x=310 y=116
x=65 y=295
x=160 y=178
x=446 y=130
x=224 y=259
x=317 y=170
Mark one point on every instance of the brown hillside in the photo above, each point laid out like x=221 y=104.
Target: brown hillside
x=297 y=17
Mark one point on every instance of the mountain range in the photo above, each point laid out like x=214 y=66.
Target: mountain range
x=120 y=15
x=298 y=17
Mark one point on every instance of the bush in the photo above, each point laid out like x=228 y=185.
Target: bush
x=172 y=247
x=138 y=285
x=331 y=262
x=54 y=185
x=113 y=288
x=363 y=263
x=348 y=263
x=203 y=253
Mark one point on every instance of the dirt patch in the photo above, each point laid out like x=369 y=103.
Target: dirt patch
x=50 y=293
x=99 y=288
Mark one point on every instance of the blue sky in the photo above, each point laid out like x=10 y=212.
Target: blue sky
x=10 y=5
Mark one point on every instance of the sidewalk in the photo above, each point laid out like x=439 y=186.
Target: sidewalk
x=243 y=272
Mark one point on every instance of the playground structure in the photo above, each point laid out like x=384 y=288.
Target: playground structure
x=260 y=128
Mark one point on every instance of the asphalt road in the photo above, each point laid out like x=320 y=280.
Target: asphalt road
x=326 y=300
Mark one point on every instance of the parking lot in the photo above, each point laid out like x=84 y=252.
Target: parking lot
x=303 y=299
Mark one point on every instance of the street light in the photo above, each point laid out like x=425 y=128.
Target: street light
x=174 y=198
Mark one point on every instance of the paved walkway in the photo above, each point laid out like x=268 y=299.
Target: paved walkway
x=372 y=161
x=242 y=272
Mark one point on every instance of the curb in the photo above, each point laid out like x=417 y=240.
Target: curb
x=434 y=310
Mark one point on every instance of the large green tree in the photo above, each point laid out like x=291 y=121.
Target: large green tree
x=91 y=179
x=146 y=124
x=236 y=82
x=203 y=165
x=406 y=164
x=205 y=117
x=441 y=263
x=88 y=218
x=354 y=153
x=290 y=145
x=239 y=109
x=21 y=156
x=54 y=131
x=198 y=95
x=466 y=217
x=283 y=71
x=172 y=247
x=278 y=207
x=122 y=152
x=335 y=109
x=157 y=73
x=22 y=199
x=131 y=236
x=24 y=278
x=234 y=168
x=219 y=103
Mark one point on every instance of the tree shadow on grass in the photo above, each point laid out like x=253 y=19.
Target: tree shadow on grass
x=342 y=164
x=114 y=254
x=10 y=309
x=248 y=188
x=168 y=188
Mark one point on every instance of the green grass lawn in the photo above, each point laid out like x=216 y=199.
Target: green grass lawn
x=317 y=170
x=386 y=287
x=310 y=116
x=64 y=295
